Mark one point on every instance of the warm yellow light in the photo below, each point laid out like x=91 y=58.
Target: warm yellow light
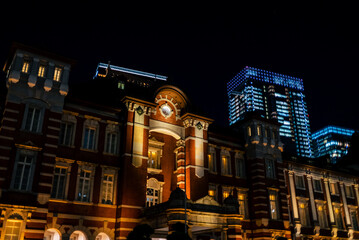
x=240 y=196
x=302 y=205
x=211 y=193
x=225 y=194
x=272 y=197
x=320 y=208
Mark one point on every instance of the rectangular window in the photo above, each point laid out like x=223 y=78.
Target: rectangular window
x=212 y=191
x=240 y=168
x=107 y=189
x=349 y=191
x=41 y=72
x=334 y=189
x=273 y=204
x=242 y=201
x=33 y=119
x=322 y=216
x=354 y=218
x=84 y=186
x=111 y=142
x=299 y=182
x=59 y=183
x=249 y=131
x=225 y=193
x=270 y=168
x=12 y=231
x=22 y=180
x=304 y=213
x=89 y=138
x=317 y=185
x=25 y=67
x=57 y=74
x=259 y=130
x=66 y=132
x=154 y=159
x=212 y=162
x=152 y=197
x=338 y=216
x=226 y=166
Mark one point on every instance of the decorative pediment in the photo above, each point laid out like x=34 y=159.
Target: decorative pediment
x=207 y=200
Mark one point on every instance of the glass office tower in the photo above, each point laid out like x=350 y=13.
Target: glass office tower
x=333 y=141
x=274 y=96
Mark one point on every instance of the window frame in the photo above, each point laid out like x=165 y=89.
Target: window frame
x=30 y=177
x=226 y=166
x=112 y=129
x=155 y=185
x=91 y=125
x=273 y=203
x=270 y=170
x=240 y=165
x=212 y=153
x=65 y=175
x=109 y=172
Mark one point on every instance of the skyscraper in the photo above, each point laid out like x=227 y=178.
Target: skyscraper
x=333 y=141
x=274 y=96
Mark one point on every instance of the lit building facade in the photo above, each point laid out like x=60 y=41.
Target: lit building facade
x=274 y=96
x=82 y=168
x=333 y=141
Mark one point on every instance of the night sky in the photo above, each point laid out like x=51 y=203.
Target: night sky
x=200 y=48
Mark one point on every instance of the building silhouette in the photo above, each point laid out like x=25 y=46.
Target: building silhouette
x=274 y=96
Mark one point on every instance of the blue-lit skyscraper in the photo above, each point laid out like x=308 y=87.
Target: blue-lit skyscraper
x=333 y=141
x=274 y=96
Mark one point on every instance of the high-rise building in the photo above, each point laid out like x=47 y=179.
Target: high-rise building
x=333 y=141
x=274 y=96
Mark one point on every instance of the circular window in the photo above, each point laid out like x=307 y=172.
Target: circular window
x=166 y=110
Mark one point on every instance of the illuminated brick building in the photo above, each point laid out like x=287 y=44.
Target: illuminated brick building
x=75 y=166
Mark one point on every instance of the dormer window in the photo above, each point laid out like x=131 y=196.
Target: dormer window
x=41 y=72
x=57 y=74
x=25 y=67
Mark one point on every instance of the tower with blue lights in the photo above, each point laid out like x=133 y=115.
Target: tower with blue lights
x=274 y=96
x=332 y=141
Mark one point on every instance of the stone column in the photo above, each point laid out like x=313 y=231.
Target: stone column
x=293 y=197
x=345 y=205
x=329 y=200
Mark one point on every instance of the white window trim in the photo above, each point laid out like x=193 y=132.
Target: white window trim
x=34 y=103
x=32 y=169
x=109 y=171
x=155 y=184
x=86 y=167
x=67 y=165
x=90 y=123
x=71 y=119
x=112 y=128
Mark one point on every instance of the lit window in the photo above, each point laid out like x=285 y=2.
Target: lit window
x=304 y=213
x=153 y=192
x=259 y=130
x=154 y=158
x=23 y=172
x=12 y=230
x=322 y=216
x=25 y=67
x=273 y=204
x=41 y=72
x=33 y=119
x=338 y=216
x=212 y=191
x=225 y=193
x=107 y=189
x=84 y=186
x=242 y=201
x=59 y=183
x=57 y=74
x=334 y=189
x=226 y=165
x=212 y=160
x=66 y=132
x=249 y=131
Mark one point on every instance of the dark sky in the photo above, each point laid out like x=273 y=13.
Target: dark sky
x=200 y=48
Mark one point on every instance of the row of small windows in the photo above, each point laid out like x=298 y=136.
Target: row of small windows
x=41 y=70
x=33 y=122
x=226 y=165
x=317 y=186
x=24 y=172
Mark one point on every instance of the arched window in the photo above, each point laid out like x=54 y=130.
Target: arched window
x=90 y=133
x=78 y=235
x=52 y=234
x=153 y=192
x=102 y=236
x=13 y=227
